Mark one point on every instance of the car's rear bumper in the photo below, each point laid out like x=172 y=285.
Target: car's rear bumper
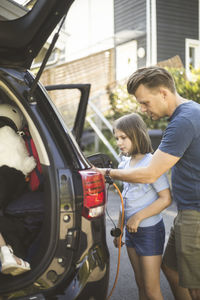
x=91 y=276
x=89 y=280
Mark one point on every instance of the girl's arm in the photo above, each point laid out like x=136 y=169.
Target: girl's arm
x=154 y=208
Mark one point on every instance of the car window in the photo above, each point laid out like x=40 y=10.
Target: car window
x=25 y=3
x=14 y=9
x=71 y=100
x=67 y=102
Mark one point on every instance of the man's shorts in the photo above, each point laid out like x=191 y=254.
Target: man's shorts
x=182 y=252
x=147 y=241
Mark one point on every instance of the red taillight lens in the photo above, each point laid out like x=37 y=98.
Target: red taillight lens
x=94 y=194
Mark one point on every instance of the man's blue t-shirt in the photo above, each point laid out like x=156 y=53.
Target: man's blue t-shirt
x=182 y=139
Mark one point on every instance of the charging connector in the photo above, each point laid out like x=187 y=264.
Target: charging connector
x=115 y=232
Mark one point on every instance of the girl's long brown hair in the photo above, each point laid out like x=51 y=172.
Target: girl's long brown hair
x=136 y=130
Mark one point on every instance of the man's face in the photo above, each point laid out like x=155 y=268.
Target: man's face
x=152 y=101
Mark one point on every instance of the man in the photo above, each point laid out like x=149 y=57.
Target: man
x=179 y=149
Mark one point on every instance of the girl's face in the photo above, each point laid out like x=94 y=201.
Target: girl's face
x=123 y=142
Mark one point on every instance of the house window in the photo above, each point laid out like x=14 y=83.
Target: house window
x=192 y=51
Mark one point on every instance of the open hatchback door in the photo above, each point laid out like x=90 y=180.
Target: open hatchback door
x=22 y=38
x=57 y=226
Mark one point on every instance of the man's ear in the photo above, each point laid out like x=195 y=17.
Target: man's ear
x=164 y=92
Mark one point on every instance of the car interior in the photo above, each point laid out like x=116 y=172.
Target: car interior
x=28 y=209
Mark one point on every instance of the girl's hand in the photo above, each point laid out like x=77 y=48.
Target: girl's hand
x=133 y=223
x=116 y=242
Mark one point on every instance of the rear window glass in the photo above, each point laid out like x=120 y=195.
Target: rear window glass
x=14 y=9
x=67 y=102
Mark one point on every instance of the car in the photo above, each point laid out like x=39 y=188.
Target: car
x=68 y=252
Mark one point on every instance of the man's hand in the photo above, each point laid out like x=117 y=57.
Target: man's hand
x=100 y=170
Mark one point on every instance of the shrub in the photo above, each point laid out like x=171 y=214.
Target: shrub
x=122 y=103
x=189 y=89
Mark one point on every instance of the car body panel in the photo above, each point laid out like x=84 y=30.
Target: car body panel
x=19 y=50
x=74 y=248
x=69 y=256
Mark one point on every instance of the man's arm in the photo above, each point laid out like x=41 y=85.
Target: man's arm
x=160 y=163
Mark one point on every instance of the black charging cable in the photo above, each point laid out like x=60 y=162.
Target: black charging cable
x=97 y=160
x=115 y=232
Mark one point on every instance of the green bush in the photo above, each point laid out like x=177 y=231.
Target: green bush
x=189 y=89
x=122 y=103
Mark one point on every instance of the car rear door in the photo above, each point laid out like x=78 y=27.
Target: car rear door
x=80 y=114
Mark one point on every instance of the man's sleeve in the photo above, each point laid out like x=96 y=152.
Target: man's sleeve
x=177 y=137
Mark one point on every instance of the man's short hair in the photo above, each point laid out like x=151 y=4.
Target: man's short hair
x=150 y=77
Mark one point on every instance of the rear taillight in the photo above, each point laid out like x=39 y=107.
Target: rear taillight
x=94 y=194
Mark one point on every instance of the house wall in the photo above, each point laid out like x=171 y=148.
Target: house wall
x=89 y=27
x=96 y=69
x=129 y=15
x=176 y=21
x=142 y=44
x=130 y=24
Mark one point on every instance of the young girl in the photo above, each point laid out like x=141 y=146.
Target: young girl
x=145 y=231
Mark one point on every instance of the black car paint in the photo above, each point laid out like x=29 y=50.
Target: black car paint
x=23 y=38
x=63 y=172
x=71 y=260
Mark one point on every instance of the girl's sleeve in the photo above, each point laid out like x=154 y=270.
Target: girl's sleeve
x=161 y=183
